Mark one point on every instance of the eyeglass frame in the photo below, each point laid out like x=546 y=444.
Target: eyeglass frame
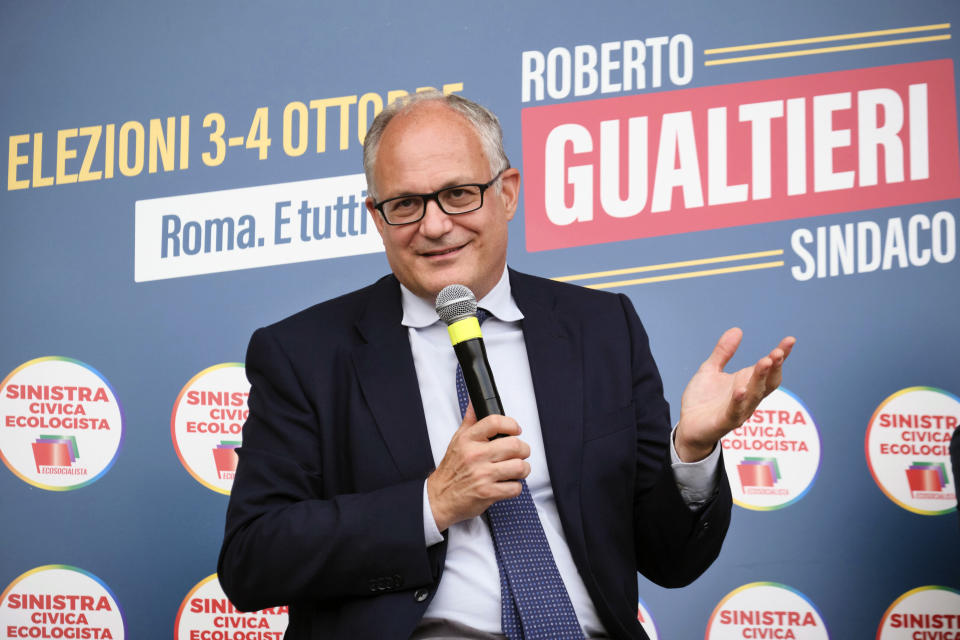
x=427 y=197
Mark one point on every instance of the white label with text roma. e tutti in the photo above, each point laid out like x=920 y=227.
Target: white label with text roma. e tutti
x=252 y=227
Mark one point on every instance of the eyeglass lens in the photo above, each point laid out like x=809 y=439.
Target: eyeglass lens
x=460 y=199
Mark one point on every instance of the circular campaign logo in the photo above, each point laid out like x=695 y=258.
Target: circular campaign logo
x=908 y=449
x=766 y=610
x=925 y=612
x=776 y=454
x=59 y=601
x=207 y=614
x=62 y=425
x=207 y=423
x=646 y=620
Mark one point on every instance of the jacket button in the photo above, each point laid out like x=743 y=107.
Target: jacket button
x=420 y=595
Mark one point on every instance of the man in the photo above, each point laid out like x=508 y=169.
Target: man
x=360 y=503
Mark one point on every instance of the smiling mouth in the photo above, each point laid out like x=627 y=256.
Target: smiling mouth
x=441 y=252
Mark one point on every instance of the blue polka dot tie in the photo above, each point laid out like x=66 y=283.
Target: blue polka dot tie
x=535 y=604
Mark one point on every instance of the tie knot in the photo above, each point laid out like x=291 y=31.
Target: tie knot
x=482 y=315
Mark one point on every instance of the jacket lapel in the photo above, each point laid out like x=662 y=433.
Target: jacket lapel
x=384 y=367
x=555 y=364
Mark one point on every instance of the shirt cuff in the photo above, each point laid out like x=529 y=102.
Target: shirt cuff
x=696 y=480
x=431 y=534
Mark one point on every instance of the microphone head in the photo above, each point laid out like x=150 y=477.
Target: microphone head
x=456 y=302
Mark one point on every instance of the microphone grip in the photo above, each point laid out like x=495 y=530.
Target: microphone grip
x=472 y=357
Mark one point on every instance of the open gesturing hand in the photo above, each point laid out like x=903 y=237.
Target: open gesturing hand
x=715 y=402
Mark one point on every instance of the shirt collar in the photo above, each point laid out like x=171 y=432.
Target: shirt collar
x=419 y=313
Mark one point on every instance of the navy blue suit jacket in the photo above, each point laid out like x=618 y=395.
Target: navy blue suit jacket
x=325 y=513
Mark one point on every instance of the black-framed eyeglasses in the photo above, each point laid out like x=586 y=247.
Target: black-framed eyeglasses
x=410 y=208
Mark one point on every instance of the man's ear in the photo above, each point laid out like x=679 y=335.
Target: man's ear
x=510 y=191
x=377 y=218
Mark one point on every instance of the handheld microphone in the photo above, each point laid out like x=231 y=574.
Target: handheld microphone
x=457 y=307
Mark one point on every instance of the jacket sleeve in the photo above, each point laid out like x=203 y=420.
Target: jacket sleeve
x=673 y=545
x=289 y=538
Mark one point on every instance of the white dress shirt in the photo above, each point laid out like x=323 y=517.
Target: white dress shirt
x=469 y=590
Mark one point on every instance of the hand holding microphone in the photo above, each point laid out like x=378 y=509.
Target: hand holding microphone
x=481 y=465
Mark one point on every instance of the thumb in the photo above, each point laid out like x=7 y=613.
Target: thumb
x=726 y=347
x=469 y=417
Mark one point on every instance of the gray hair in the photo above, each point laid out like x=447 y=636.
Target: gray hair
x=484 y=122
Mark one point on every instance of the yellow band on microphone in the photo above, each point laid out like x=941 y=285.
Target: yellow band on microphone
x=465 y=329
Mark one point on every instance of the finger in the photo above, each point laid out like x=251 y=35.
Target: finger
x=774 y=378
x=509 y=470
x=773 y=381
x=778 y=355
x=765 y=376
x=725 y=348
x=786 y=346
x=764 y=372
x=493 y=426
x=750 y=386
x=780 y=352
x=763 y=367
x=508 y=449
x=504 y=490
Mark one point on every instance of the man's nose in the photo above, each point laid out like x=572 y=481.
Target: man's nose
x=435 y=222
